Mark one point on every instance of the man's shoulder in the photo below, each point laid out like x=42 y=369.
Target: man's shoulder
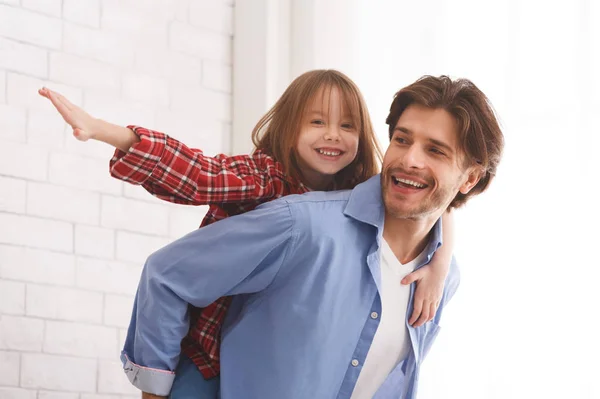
x=318 y=197
x=311 y=201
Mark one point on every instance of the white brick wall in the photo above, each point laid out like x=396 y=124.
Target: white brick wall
x=73 y=240
x=10 y=363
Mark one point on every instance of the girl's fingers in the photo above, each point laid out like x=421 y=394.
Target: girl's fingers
x=58 y=104
x=411 y=278
x=432 y=310
x=417 y=308
x=423 y=318
x=64 y=100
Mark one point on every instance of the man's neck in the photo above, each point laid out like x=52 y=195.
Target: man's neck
x=407 y=237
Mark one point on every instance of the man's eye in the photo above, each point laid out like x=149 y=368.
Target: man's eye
x=436 y=151
x=401 y=140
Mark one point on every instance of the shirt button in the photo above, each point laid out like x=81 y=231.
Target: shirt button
x=354 y=362
x=374 y=315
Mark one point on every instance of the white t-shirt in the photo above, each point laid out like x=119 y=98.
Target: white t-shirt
x=391 y=342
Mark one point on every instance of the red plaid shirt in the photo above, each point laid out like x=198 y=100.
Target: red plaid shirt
x=231 y=185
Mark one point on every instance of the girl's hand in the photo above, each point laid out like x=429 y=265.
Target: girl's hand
x=430 y=288
x=83 y=124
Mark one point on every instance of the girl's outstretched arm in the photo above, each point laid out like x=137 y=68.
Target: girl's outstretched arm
x=170 y=170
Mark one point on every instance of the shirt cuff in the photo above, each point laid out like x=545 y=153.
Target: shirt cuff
x=138 y=164
x=154 y=381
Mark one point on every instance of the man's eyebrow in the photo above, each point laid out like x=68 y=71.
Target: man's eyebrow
x=403 y=130
x=433 y=141
x=443 y=145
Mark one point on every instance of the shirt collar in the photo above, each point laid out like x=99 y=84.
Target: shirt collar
x=366 y=205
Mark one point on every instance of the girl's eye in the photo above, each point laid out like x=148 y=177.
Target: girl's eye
x=317 y=122
x=348 y=126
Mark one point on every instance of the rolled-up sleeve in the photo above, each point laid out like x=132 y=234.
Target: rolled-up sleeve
x=239 y=255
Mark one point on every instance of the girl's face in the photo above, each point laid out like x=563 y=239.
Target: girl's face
x=328 y=140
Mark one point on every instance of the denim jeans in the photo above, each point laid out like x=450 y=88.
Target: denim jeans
x=190 y=384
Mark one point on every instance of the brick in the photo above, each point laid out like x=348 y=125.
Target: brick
x=226 y=139
x=110 y=47
x=63 y=203
x=122 y=337
x=132 y=247
x=117 y=310
x=16 y=23
x=10 y=363
x=57 y=395
x=36 y=266
x=208 y=15
x=82 y=12
x=57 y=373
x=132 y=215
x=193 y=129
x=13 y=122
x=81 y=72
x=146 y=89
x=17 y=393
x=13 y=195
x=2 y=87
x=50 y=7
x=183 y=220
x=35 y=232
x=217 y=76
x=108 y=276
x=63 y=304
x=23 y=58
x=81 y=340
x=181 y=10
x=134 y=191
x=174 y=66
x=112 y=379
x=205 y=103
x=118 y=111
x=21 y=333
x=202 y=43
x=22 y=91
x=94 y=241
x=13 y=157
x=91 y=148
x=13 y=298
x=45 y=128
x=82 y=172
x=144 y=22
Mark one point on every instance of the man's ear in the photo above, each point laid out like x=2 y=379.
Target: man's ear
x=473 y=177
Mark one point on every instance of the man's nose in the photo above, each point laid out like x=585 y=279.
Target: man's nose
x=413 y=157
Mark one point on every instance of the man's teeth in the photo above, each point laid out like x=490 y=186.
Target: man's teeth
x=409 y=182
x=329 y=153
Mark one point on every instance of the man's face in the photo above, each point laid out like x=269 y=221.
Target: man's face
x=422 y=168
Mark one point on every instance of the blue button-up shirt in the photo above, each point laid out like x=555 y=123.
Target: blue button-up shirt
x=305 y=270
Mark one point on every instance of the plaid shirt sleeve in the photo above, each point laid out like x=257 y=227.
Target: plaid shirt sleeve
x=171 y=171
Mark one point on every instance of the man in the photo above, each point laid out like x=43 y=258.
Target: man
x=319 y=311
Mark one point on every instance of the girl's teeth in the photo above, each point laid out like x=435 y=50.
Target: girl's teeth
x=329 y=153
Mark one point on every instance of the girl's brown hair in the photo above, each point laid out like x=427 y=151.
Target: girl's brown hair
x=277 y=131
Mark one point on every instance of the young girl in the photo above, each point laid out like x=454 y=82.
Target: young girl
x=317 y=136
